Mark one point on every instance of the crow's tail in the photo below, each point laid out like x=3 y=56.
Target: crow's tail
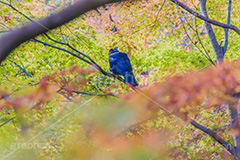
x=130 y=79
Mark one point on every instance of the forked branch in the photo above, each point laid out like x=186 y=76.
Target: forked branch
x=216 y=23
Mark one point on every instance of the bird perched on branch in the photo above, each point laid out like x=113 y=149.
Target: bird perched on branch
x=120 y=65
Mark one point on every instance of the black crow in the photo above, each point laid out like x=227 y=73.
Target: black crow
x=120 y=65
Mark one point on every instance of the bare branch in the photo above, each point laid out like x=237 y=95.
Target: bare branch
x=218 y=50
x=13 y=39
x=95 y=65
x=184 y=117
x=64 y=95
x=8 y=120
x=154 y=22
x=216 y=23
x=196 y=31
x=93 y=94
x=21 y=113
x=205 y=54
x=23 y=69
x=214 y=135
x=226 y=30
x=234 y=122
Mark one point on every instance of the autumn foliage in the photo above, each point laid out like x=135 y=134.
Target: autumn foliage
x=180 y=95
x=73 y=109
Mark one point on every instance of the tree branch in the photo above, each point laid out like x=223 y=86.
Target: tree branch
x=235 y=127
x=225 y=29
x=216 y=23
x=21 y=113
x=64 y=95
x=13 y=39
x=184 y=117
x=95 y=65
x=216 y=47
x=214 y=135
x=23 y=69
x=94 y=94
x=205 y=54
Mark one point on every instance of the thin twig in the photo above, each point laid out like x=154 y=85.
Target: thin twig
x=153 y=23
x=23 y=69
x=8 y=120
x=94 y=94
x=200 y=41
x=206 y=55
x=37 y=104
